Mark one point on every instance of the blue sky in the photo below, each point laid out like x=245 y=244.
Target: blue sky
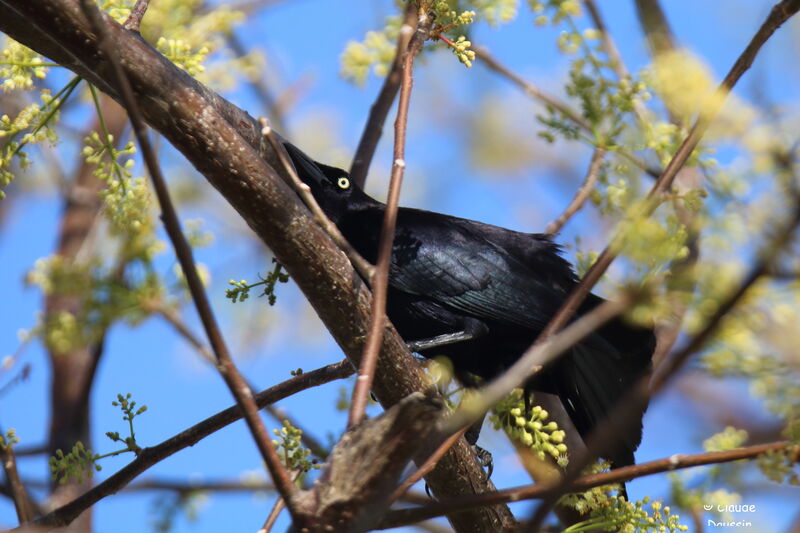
x=303 y=40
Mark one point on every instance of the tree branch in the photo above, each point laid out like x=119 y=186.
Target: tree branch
x=618 y=475
x=552 y=102
x=136 y=16
x=656 y=27
x=19 y=494
x=583 y=193
x=379 y=110
x=366 y=464
x=380 y=283
x=74 y=371
x=154 y=454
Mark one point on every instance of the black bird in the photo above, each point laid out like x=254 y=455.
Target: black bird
x=481 y=294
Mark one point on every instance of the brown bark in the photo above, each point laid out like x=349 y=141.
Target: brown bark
x=364 y=468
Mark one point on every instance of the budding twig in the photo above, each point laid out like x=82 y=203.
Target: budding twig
x=582 y=194
x=137 y=14
x=381 y=280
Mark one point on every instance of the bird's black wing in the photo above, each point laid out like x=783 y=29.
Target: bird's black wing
x=442 y=259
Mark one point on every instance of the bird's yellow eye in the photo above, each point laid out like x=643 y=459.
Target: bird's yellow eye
x=343 y=183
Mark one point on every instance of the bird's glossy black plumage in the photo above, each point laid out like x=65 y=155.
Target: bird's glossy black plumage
x=493 y=290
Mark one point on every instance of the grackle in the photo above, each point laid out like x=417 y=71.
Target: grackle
x=481 y=294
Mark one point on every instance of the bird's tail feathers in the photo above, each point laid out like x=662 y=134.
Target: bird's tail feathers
x=593 y=380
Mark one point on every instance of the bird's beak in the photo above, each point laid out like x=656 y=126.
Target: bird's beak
x=307 y=169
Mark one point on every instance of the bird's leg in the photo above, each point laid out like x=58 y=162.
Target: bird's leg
x=485 y=459
x=484 y=455
x=472 y=330
x=474 y=431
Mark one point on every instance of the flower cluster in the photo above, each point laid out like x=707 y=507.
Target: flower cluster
x=241 y=289
x=291 y=450
x=376 y=52
x=531 y=429
x=19 y=66
x=461 y=48
x=128 y=201
x=609 y=511
x=34 y=124
x=187 y=32
x=81 y=462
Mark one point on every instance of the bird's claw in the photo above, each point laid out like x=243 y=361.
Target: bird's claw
x=485 y=459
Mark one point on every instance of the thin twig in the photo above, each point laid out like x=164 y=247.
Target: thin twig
x=23 y=372
x=608 y=43
x=152 y=455
x=19 y=494
x=654 y=22
x=134 y=20
x=184 y=487
x=426 y=466
x=379 y=110
x=178 y=486
x=363 y=266
x=275 y=512
x=550 y=101
x=380 y=283
x=617 y=65
x=241 y=392
x=530 y=89
x=31 y=450
x=582 y=194
x=173 y=319
x=618 y=475
x=269 y=102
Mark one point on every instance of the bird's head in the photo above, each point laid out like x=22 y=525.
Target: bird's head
x=332 y=188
